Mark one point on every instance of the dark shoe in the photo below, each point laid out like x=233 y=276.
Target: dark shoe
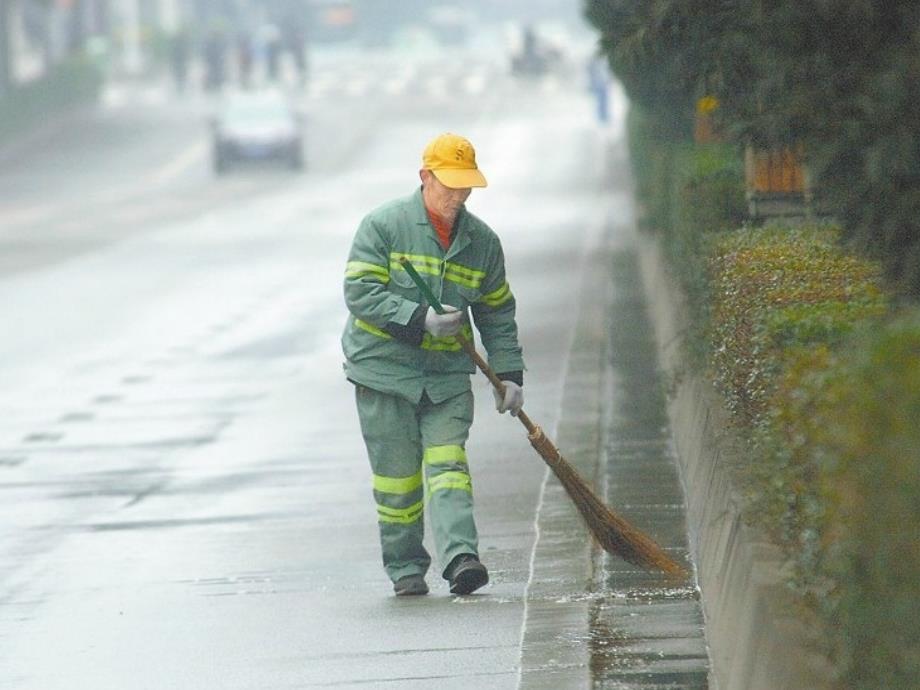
x=410 y=585
x=466 y=574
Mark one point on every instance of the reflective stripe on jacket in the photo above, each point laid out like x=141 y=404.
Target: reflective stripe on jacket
x=470 y=275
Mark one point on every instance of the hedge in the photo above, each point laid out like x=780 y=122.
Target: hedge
x=774 y=290
x=782 y=300
x=825 y=383
x=846 y=442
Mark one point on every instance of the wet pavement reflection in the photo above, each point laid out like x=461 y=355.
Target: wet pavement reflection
x=646 y=632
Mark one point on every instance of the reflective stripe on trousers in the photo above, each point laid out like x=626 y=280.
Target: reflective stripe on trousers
x=417 y=454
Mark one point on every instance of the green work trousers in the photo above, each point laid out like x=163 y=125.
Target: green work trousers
x=417 y=455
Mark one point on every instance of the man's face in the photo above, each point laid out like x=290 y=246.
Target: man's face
x=444 y=201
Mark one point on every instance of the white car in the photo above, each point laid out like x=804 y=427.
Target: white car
x=257 y=125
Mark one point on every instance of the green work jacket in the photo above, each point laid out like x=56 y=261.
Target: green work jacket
x=381 y=297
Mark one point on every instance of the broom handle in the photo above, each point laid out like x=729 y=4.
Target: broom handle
x=465 y=343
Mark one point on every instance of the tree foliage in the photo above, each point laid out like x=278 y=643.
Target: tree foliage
x=841 y=78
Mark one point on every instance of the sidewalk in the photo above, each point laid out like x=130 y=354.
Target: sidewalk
x=592 y=620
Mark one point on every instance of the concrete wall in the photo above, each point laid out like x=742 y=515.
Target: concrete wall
x=759 y=636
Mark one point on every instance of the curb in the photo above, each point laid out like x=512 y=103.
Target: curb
x=554 y=652
x=759 y=639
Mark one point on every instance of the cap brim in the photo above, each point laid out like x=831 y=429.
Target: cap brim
x=460 y=179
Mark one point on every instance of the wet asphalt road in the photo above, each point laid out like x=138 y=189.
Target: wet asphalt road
x=185 y=496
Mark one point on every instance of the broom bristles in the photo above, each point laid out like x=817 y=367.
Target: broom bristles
x=614 y=534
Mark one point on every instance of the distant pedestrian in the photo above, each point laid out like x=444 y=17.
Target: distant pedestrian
x=296 y=41
x=412 y=379
x=215 y=48
x=244 y=59
x=270 y=39
x=599 y=80
x=178 y=58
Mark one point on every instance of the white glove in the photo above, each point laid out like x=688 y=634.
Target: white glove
x=513 y=399
x=442 y=325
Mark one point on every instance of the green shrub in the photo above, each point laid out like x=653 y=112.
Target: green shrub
x=774 y=290
x=782 y=482
x=781 y=298
x=846 y=424
x=827 y=388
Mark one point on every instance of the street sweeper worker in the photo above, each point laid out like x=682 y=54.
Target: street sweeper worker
x=412 y=379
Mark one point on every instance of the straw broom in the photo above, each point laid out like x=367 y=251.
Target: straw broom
x=614 y=534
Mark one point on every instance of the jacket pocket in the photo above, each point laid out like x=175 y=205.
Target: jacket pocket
x=401 y=279
x=402 y=285
x=470 y=295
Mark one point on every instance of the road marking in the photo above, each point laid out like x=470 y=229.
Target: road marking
x=360 y=85
x=185 y=160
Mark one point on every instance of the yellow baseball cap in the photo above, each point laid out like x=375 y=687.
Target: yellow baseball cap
x=452 y=159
